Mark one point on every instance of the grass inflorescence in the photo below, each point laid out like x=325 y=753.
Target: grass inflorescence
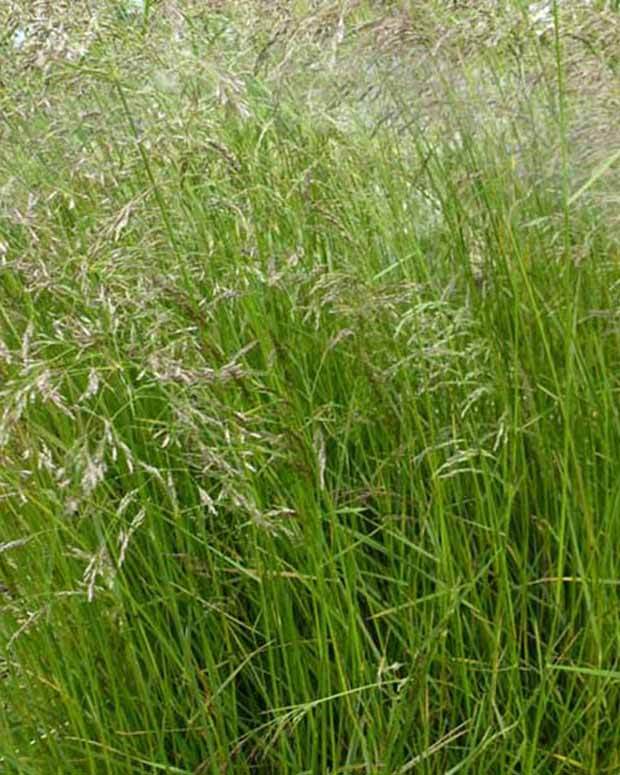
x=309 y=361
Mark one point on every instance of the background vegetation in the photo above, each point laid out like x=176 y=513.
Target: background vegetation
x=309 y=372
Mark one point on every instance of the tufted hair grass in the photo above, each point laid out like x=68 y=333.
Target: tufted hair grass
x=309 y=358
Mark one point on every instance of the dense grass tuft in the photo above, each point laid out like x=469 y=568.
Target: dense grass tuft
x=309 y=357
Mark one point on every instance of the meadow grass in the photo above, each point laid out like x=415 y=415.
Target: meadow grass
x=309 y=421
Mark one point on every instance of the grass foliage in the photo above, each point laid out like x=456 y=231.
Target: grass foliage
x=309 y=361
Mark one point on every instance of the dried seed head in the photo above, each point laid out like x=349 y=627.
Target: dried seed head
x=100 y=565
x=5 y=353
x=125 y=535
x=93 y=386
x=94 y=473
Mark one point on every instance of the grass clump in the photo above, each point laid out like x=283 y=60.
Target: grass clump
x=308 y=377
